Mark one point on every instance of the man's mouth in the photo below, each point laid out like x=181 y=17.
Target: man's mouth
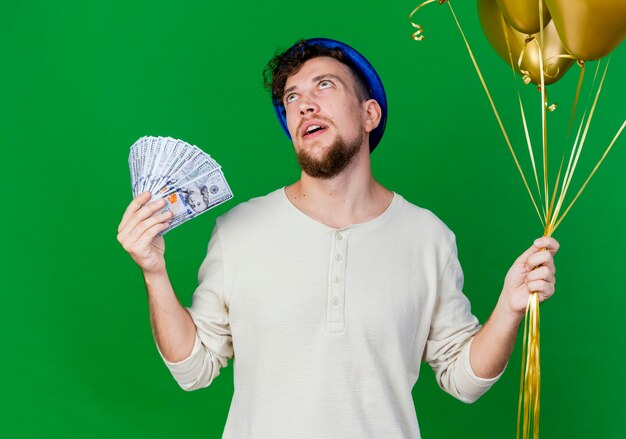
x=313 y=129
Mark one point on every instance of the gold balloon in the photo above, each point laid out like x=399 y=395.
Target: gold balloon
x=523 y=15
x=554 y=68
x=590 y=29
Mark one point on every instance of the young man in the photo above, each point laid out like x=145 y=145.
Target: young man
x=331 y=291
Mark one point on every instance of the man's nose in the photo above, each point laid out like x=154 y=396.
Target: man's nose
x=308 y=105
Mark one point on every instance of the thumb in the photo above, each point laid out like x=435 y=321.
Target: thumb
x=528 y=253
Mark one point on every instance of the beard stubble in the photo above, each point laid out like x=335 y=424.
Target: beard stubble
x=339 y=155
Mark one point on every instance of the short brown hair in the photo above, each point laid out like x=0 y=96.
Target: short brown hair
x=287 y=63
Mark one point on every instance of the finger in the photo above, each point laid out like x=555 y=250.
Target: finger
x=523 y=258
x=145 y=212
x=541 y=273
x=151 y=233
x=547 y=243
x=133 y=207
x=137 y=232
x=541 y=287
x=541 y=258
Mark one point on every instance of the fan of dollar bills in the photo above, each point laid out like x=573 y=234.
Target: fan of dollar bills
x=188 y=178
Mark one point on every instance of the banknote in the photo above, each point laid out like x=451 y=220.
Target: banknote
x=194 y=198
x=189 y=179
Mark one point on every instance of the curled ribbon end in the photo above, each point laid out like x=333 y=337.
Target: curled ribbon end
x=417 y=35
x=552 y=107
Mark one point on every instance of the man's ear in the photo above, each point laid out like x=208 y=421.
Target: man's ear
x=373 y=114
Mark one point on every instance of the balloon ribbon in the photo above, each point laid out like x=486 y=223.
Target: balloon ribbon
x=528 y=414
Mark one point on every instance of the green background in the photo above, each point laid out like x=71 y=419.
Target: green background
x=82 y=80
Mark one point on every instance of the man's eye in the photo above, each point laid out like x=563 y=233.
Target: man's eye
x=325 y=84
x=290 y=98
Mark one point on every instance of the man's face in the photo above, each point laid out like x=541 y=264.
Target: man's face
x=324 y=116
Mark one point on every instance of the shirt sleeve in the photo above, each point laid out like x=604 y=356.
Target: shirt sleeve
x=209 y=312
x=450 y=338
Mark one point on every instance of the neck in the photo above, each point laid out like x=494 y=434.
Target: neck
x=351 y=197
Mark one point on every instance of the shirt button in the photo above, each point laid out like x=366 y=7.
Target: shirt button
x=339 y=236
x=337 y=279
x=338 y=257
x=336 y=300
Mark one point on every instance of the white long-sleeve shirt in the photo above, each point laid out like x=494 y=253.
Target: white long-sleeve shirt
x=328 y=326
